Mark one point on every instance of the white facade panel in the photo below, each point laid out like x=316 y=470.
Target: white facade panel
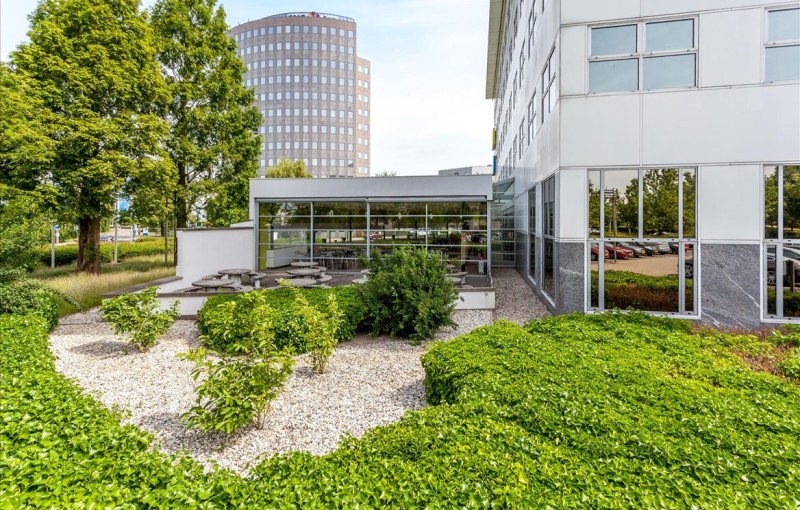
x=573 y=61
x=731 y=48
x=587 y=11
x=745 y=124
x=572 y=204
x=661 y=7
x=729 y=203
x=600 y=131
x=206 y=251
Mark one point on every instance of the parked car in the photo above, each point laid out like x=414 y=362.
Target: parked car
x=106 y=238
x=478 y=238
x=638 y=251
x=673 y=247
x=655 y=247
x=789 y=260
x=611 y=251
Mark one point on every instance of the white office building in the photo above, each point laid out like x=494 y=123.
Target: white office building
x=652 y=149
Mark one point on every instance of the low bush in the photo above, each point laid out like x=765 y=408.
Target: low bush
x=640 y=409
x=135 y=313
x=790 y=364
x=318 y=327
x=225 y=320
x=25 y=296
x=408 y=294
x=607 y=411
x=68 y=253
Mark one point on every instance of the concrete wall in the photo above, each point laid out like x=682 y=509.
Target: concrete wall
x=203 y=252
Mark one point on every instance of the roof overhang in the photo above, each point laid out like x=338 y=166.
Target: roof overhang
x=496 y=8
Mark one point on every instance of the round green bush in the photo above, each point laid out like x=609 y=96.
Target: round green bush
x=27 y=297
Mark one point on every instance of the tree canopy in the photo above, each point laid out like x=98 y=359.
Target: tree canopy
x=212 y=119
x=92 y=66
x=287 y=169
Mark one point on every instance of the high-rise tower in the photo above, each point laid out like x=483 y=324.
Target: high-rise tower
x=312 y=89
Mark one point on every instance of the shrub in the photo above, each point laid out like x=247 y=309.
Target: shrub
x=317 y=328
x=408 y=295
x=68 y=254
x=791 y=364
x=225 y=321
x=25 y=296
x=136 y=314
x=23 y=228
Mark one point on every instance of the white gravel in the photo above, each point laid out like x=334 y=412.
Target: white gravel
x=369 y=382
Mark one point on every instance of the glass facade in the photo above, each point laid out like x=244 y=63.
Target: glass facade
x=782 y=236
x=503 y=242
x=642 y=239
x=339 y=234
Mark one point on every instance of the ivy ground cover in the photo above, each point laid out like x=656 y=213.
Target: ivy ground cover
x=613 y=411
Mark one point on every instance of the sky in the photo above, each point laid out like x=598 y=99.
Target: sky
x=428 y=73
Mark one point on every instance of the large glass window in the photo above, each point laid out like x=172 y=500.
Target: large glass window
x=503 y=244
x=647 y=56
x=782 y=53
x=339 y=234
x=532 y=232
x=548 y=236
x=782 y=236
x=641 y=228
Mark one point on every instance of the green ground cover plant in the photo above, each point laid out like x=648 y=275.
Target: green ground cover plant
x=226 y=321
x=408 y=294
x=605 y=411
x=136 y=314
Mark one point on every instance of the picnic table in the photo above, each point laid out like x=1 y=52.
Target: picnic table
x=461 y=275
x=304 y=264
x=300 y=282
x=215 y=284
x=234 y=274
x=309 y=271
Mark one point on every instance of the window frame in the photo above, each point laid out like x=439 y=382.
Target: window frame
x=641 y=54
x=778 y=242
x=785 y=43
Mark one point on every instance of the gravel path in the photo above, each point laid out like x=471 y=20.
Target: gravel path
x=369 y=382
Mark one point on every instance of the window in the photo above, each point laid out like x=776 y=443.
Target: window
x=634 y=214
x=531 y=117
x=643 y=56
x=782 y=235
x=548 y=236
x=782 y=52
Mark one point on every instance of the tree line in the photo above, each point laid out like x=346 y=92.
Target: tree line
x=107 y=100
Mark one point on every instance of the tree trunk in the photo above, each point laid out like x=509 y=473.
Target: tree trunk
x=181 y=212
x=89 y=245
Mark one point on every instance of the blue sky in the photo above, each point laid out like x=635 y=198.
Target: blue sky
x=428 y=73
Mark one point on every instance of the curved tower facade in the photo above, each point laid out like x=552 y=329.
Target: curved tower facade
x=312 y=89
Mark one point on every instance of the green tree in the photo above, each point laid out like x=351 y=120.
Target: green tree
x=92 y=65
x=212 y=117
x=287 y=169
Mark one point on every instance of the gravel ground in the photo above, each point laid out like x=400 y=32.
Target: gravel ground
x=369 y=382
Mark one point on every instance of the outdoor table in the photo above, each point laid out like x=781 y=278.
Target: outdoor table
x=454 y=279
x=460 y=275
x=304 y=264
x=213 y=284
x=234 y=274
x=311 y=271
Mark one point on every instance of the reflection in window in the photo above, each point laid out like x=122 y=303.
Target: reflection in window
x=667 y=60
x=782 y=54
x=614 y=75
x=782 y=232
x=532 y=233
x=548 y=235
x=614 y=40
x=646 y=258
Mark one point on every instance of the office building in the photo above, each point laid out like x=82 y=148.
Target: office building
x=652 y=150
x=313 y=91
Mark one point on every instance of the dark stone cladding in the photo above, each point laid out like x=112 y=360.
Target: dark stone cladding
x=570 y=284
x=729 y=285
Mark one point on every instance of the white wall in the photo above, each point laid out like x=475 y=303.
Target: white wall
x=731 y=45
x=729 y=203
x=572 y=203
x=203 y=252
x=600 y=131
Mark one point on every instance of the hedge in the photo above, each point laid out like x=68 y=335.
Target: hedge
x=25 y=296
x=348 y=299
x=630 y=411
x=599 y=411
x=68 y=253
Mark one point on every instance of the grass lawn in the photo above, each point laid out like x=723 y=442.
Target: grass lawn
x=87 y=289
